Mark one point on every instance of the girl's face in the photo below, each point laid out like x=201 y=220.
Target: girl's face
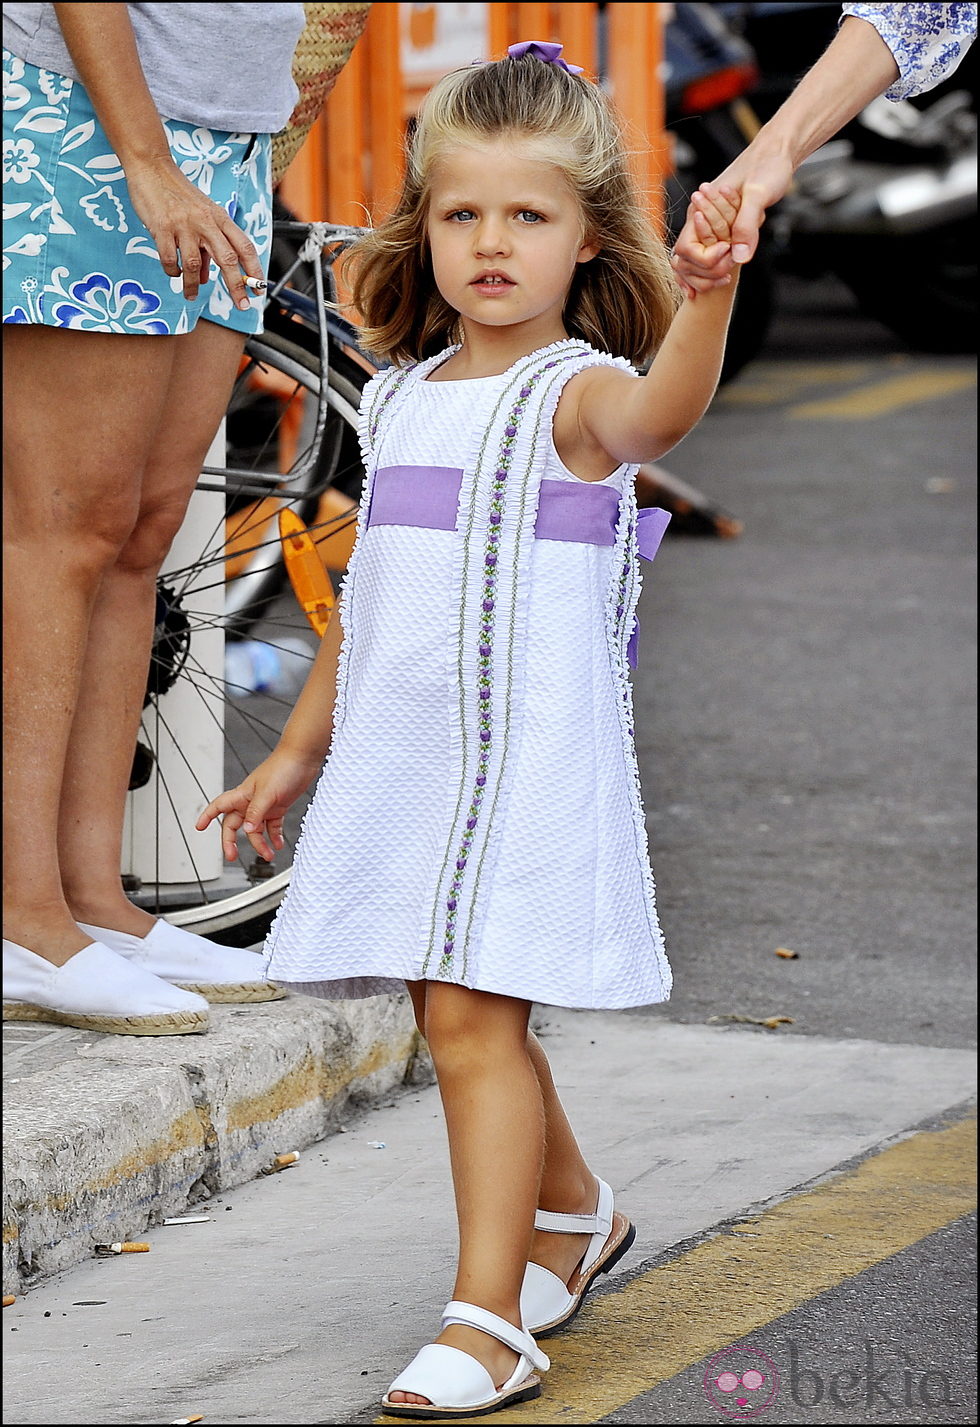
x=506 y=233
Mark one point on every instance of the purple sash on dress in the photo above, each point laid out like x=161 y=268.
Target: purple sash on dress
x=428 y=497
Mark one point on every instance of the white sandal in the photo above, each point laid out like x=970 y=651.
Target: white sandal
x=456 y=1384
x=547 y=1304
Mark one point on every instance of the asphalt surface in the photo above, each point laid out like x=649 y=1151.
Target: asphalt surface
x=807 y=691
x=861 y=1353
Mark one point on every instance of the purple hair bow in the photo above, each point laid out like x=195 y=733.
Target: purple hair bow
x=543 y=50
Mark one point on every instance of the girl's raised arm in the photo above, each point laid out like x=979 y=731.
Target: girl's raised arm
x=639 y=421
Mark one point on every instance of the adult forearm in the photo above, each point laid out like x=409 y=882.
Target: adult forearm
x=102 y=45
x=855 y=68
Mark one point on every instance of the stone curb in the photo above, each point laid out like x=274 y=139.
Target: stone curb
x=137 y=1129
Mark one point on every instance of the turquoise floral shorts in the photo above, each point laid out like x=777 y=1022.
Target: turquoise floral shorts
x=74 y=252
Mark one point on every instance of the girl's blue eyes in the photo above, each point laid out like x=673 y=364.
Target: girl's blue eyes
x=463 y=215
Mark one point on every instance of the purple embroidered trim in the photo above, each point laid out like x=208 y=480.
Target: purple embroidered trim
x=485 y=653
x=395 y=386
x=621 y=593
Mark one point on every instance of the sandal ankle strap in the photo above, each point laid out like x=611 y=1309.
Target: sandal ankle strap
x=469 y=1315
x=598 y=1223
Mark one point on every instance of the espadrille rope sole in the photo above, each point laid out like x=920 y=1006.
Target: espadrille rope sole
x=228 y=993
x=172 y=1023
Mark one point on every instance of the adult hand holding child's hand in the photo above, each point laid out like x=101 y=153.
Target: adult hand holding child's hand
x=703 y=254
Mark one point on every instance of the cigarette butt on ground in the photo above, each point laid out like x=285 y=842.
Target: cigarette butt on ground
x=122 y=1248
x=786 y=954
x=281 y=1161
x=190 y=1219
x=9 y=1298
x=198 y=1417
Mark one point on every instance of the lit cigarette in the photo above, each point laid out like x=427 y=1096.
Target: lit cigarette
x=122 y=1248
x=256 y=284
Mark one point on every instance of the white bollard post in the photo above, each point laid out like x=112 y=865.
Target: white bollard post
x=160 y=843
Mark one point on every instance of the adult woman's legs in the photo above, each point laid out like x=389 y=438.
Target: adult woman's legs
x=82 y=411
x=113 y=676
x=495 y=1121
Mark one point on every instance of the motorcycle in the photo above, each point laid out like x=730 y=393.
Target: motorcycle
x=709 y=70
x=889 y=205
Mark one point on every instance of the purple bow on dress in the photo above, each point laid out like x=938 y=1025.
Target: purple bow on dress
x=651 y=522
x=544 y=50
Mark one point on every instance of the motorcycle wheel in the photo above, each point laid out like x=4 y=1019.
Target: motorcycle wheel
x=923 y=287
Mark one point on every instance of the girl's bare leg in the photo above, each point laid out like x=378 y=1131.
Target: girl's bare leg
x=495 y=1120
x=568 y=1186
x=113 y=675
x=82 y=411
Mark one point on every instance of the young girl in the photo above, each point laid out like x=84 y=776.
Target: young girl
x=477 y=832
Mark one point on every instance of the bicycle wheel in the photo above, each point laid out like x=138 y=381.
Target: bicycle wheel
x=270 y=428
x=198 y=736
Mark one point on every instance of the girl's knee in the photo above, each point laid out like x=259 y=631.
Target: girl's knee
x=463 y=1027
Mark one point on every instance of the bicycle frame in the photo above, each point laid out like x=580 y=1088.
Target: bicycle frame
x=321 y=246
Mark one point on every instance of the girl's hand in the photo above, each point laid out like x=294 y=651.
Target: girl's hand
x=702 y=257
x=190 y=231
x=257 y=806
x=715 y=211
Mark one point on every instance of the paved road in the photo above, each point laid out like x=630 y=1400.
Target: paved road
x=804 y=1195
x=808 y=729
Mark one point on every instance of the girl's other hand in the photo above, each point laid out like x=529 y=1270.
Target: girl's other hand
x=258 y=805
x=702 y=257
x=189 y=230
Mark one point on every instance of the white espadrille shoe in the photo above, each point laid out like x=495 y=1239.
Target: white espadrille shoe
x=455 y=1383
x=548 y=1304
x=225 y=974
x=96 y=990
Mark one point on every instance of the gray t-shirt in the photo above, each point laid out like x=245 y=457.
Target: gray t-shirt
x=225 y=66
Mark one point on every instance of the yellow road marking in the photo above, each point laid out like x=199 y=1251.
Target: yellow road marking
x=773 y=383
x=884 y=396
x=723 y=1290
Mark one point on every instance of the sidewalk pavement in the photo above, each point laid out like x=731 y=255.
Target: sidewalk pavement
x=302 y=1304
x=105 y=1135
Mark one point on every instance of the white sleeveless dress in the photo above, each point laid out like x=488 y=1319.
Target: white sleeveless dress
x=478 y=819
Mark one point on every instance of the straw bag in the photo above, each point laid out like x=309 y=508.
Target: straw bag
x=324 y=47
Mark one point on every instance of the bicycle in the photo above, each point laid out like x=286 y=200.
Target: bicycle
x=291 y=444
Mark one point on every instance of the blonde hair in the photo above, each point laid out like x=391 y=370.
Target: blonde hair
x=622 y=300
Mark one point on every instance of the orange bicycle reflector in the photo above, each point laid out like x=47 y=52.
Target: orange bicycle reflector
x=310 y=581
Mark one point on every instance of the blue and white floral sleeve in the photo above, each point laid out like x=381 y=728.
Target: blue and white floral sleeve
x=927 y=41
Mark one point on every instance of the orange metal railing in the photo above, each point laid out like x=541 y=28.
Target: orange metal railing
x=350 y=165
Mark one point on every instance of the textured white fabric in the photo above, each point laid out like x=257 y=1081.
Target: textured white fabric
x=567 y=914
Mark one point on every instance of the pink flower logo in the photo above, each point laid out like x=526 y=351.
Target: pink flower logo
x=741 y=1382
